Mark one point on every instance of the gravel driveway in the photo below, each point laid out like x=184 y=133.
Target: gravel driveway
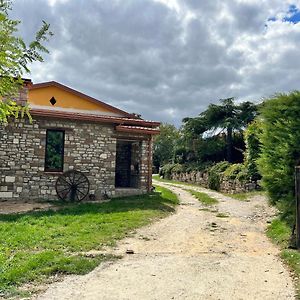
x=192 y=254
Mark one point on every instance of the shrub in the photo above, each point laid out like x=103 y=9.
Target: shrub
x=280 y=150
x=168 y=169
x=177 y=168
x=236 y=171
x=215 y=174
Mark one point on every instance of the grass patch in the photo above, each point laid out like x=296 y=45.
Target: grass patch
x=156 y=177
x=167 y=194
x=244 y=196
x=203 y=198
x=292 y=259
x=36 y=245
x=222 y=215
x=205 y=209
x=279 y=232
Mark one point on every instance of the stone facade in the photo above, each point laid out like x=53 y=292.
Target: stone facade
x=226 y=185
x=90 y=147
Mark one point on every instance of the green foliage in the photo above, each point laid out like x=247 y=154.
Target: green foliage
x=246 y=196
x=54 y=150
x=168 y=169
x=280 y=150
x=252 y=153
x=38 y=244
x=236 y=171
x=280 y=233
x=226 y=117
x=215 y=174
x=168 y=195
x=164 y=145
x=202 y=167
x=203 y=197
x=15 y=56
x=210 y=149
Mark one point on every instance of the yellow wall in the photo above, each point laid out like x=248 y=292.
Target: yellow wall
x=64 y=99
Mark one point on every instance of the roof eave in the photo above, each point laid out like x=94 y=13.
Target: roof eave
x=93 y=118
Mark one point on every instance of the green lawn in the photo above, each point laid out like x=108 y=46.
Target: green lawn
x=36 y=245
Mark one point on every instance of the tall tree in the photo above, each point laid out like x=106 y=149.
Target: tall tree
x=164 y=145
x=15 y=57
x=226 y=117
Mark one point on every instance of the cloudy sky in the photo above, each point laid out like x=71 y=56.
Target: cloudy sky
x=168 y=59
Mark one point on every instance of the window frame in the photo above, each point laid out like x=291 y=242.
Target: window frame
x=61 y=169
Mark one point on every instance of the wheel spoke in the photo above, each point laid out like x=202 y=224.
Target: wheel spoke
x=83 y=181
x=65 y=180
x=81 y=192
x=73 y=180
x=77 y=196
x=65 y=195
x=60 y=191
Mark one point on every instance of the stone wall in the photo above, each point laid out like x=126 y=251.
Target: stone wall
x=89 y=147
x=226 y=185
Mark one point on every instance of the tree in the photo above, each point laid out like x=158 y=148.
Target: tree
x=280 y=149
x=164 y=145
x=15 y=56
x=253 y=148
x=226 y=117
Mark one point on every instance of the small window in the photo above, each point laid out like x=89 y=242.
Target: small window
x=54 y=156
x=53 y=101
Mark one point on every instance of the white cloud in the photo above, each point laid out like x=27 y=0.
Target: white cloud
x=167 y=59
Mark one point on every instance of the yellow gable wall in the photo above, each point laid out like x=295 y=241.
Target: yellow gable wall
x=64 y=99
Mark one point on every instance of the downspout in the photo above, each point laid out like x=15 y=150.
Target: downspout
x=149 y=164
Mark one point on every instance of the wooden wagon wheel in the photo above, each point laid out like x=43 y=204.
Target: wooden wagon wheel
x=72 y=186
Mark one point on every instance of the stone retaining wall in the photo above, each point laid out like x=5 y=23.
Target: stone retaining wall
x=226 y=185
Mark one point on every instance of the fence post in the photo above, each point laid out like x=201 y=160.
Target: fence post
x=297 y=193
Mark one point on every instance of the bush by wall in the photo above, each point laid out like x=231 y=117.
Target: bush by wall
x=215 y=174
x=168 y=169
x=280 y=150
x=222 y=176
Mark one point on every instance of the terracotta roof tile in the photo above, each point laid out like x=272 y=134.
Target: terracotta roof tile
x=137 y=129
x=93 y=117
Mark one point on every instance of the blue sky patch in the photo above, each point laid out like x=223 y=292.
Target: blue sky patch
x=293 y=15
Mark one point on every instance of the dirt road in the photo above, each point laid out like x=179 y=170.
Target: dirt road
x=192 y=254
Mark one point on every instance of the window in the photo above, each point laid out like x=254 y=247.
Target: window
x=54 y=156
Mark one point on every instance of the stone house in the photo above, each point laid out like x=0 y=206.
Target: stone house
x=72 y=131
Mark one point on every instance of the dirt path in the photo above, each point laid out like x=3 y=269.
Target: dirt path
x=192 y=254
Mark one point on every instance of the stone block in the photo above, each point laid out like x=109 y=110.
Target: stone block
x=10 y=178
x=6 y=195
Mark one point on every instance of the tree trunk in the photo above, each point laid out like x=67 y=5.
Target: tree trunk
x=229 y=144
